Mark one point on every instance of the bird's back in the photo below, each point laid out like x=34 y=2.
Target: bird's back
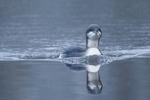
x=73 y=52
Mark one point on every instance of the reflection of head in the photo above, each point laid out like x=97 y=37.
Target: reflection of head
x=94 y=84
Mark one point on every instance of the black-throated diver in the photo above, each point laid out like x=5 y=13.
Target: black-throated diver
x=92 y=54
x=93 y=35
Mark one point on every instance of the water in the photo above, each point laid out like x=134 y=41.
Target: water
x=35 y=30
x=27 y=80
x=32 y=32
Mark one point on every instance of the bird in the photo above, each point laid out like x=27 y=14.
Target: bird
x=92 y=54
x=93 y=35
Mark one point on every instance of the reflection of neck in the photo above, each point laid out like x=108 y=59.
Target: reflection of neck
x=92 y=43
x=93 y=76
x=93 y=68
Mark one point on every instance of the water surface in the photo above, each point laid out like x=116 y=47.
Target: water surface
x=44 y=29
x=28 y=80
x=40 y=30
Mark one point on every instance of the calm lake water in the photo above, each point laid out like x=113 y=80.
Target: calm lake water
x=41 y=30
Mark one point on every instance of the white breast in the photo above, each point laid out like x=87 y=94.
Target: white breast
x=92 y=51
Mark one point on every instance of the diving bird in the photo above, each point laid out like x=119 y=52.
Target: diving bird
x=93 y=34
x=92 y=54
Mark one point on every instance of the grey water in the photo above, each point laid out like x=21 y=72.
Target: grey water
x=27 y=80
x=44 y=29
x=40 y=30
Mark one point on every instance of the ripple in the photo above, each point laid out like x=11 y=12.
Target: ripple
x=52 y=54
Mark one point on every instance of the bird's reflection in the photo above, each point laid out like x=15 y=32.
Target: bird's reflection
x=92 y=67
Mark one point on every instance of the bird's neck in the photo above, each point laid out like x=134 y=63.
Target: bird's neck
x=92 y=43
x=92 y=47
